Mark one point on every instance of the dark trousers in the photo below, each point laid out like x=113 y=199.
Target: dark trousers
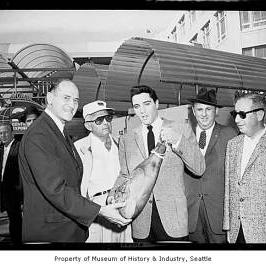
x=157 y=232
x=240 y=238
x=203 y=232
x=15 y=225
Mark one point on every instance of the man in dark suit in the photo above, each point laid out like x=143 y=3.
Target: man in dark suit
x=51 y=170
x=205 y=195
x=10 y=185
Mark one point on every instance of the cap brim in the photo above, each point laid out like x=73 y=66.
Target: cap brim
x=99 y=113
x=204 y=102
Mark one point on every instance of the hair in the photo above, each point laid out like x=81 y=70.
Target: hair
x=55 y=85
x=258 y=98
x=29 y=111
x=143 y=89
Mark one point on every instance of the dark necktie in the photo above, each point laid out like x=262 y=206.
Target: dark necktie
x=202 y=139
x=68 y=140
x=150 y=139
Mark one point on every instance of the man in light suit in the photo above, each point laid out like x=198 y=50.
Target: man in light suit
x=245 y=173
x=99 y=154
x=205 y=194
x=164 y=217
x=11 y=193
x=51 y=170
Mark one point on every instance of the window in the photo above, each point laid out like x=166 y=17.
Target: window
x=220 y=24
x=258 y=51
x=259 y=18
x=181 y=23
x=251 y=19
x=206 y=35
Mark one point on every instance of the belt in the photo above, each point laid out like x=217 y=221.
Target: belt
x=101 y=193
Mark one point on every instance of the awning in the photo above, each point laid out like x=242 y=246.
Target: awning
x=176 y=71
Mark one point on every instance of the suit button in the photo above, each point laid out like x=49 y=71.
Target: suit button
x=150 y=201
x=241 y=199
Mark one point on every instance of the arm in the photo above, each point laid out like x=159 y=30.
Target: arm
x=226 y=225
x=50 y=175
x=185 y=146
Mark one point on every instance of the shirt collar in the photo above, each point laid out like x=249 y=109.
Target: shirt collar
x=9 y=145
x=57 y=121
x=208 y=131
x=157 y=123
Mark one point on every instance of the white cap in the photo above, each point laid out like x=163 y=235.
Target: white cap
x=94 y=108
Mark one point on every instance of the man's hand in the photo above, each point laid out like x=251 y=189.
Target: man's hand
x=170 y=136
x=111 y=213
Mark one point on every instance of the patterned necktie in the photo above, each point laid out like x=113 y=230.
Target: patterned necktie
x=202 y=139
x=108 y=143
x=150 y=139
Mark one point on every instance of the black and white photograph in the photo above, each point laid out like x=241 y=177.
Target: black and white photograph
x=133 y=135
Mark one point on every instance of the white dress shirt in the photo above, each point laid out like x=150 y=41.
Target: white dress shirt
x=57 y=121
x=208 y=137
x=248 y=148
x=5 y=155
x=156 y=128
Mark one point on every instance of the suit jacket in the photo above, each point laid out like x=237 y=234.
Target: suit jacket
x=11 y=187
x=210 y=186
x=245 y=197
x=169 y=190
x=54 y=210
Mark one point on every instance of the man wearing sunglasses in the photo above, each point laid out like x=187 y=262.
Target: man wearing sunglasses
x=245 y=173
x=99 y=155
x=205 y=195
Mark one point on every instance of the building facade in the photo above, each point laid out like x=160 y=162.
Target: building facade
x=241 y=32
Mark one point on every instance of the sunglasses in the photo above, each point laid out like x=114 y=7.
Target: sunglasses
x=243 y=114
x=99 y=120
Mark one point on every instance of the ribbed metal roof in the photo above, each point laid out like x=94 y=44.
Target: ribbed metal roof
x=170 y=68
x=90 y=79
x=44 y=56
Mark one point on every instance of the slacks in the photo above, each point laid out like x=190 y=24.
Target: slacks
x=203 y=232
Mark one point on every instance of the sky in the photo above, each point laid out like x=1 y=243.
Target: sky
x=18 y=26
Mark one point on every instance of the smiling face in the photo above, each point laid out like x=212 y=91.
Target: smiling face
x=6 y=134
x=145 y=108
x=63 y=101
x=205 y=115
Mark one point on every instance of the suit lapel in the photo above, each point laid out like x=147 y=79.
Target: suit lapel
x=260 y=147
x=239 y=149
x=71 y=149
x=214 y=137
x=139 y=141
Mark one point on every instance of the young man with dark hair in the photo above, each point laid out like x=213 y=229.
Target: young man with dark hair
x=164 y=217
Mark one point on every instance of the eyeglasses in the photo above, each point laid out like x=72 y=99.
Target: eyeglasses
x=243 y=114
x=99 y=120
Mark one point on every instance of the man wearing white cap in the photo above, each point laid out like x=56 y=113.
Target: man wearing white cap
x=99 y=155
